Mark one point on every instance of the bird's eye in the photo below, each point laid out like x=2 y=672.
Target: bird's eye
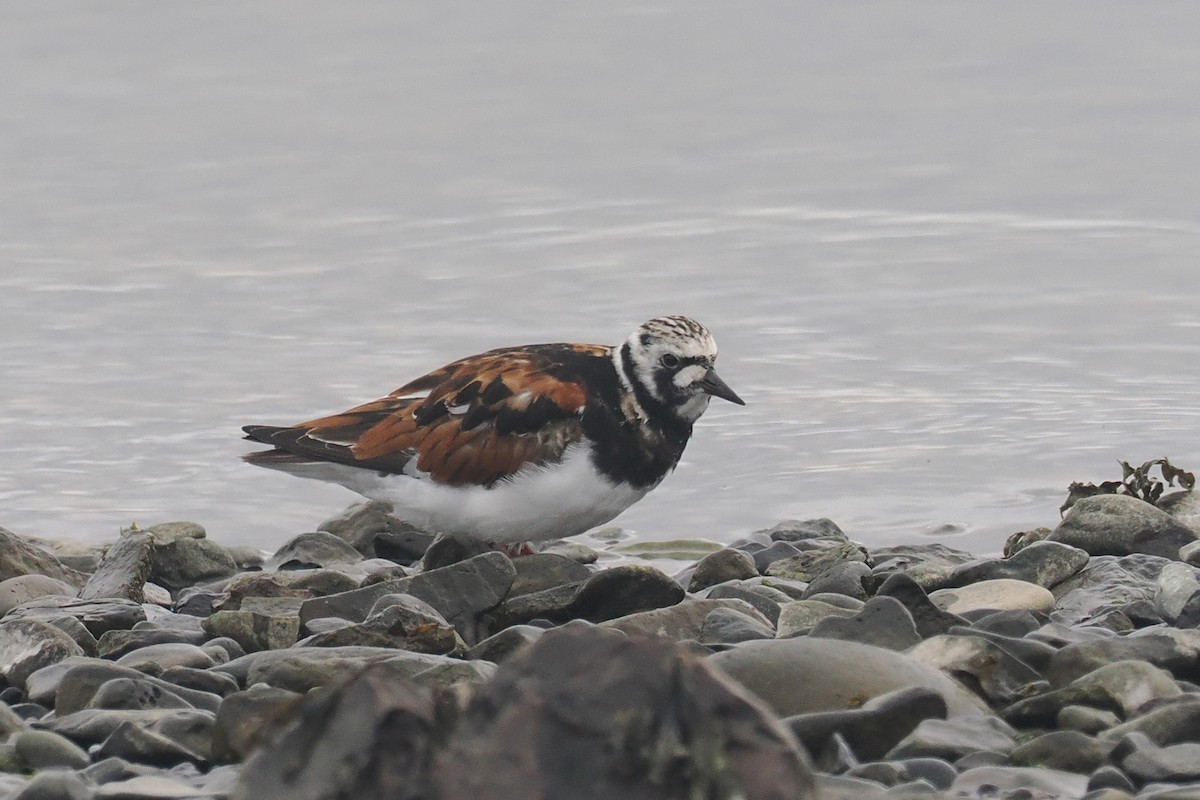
x=670 y=361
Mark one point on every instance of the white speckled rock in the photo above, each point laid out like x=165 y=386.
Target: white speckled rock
x=1001 y=594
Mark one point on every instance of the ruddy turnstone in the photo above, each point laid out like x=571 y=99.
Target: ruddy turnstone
x=518 y=444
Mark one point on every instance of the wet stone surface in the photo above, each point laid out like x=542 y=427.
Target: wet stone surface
x=794 y=663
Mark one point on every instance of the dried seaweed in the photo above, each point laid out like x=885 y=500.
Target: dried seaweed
x=1135 y=482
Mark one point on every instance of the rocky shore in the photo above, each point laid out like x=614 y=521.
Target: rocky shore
x=366 y=660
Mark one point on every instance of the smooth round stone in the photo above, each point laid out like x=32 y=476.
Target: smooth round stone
x=1115 y=524
x=156 y=658
x=1144 y=761
x=23 y=588
x=999 y=782
x=52 y=785
x=27 y=645
x=954 y=738
x=250 y=718
x=803 y=675
x=684 y=620
x=1175 y=586
x=1044 y=563
x=798 y=617
x=1070 y=751
x=1086 y=719
x=45 y=750
x=724 y=565
x=1001 y=594
x=999 y=674
x=726 y=626
x=883 y=622
x=312 y=551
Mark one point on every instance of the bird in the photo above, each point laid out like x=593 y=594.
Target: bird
x=520 y=444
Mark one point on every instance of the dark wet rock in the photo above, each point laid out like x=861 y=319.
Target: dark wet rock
x=156 y=658
x=1045 y=563
x=20 y=557
x=197 y=602
x=313 y=551
x=500 y=646
x=1144 y=761
x=684 y=620
x=764 y=557
x=539 y=571
x=1177 y=651
x=97 y=615
x=850 y=579
x=766 y=600
x=76 y=687
x=371 y=530
x=460 y=593
x=445 y=551
x=608 y=594
x=24 y=588
x=251 y=718
x=798 y=617
x=140 y=745
x=517 y=729
x=1017 y=783
x=1059 y=635
x=301 y=669
x=876 y=727
x=386 y=728
x=396 y=620
x=799 y=676
x=1121 y=687
x=58 y=784
x=726 y=564
x=1107 y=582
x=624 y=590
x=39 y=750
x=123 y=571
x=930 y=565
x=996 y=674
x=27 y=645
x=927 y=617
x=116 y=643
x=1070 y=751
x=726 y=626
x=882 y=622
x=1118 y=525
x=954 y=738
x=809 y=564
x=94 y=725
x=254 y=631
x=185 y=562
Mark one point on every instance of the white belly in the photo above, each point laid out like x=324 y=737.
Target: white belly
x=538 y=503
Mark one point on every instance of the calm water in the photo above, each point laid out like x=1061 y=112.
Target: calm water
x=949 y=251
